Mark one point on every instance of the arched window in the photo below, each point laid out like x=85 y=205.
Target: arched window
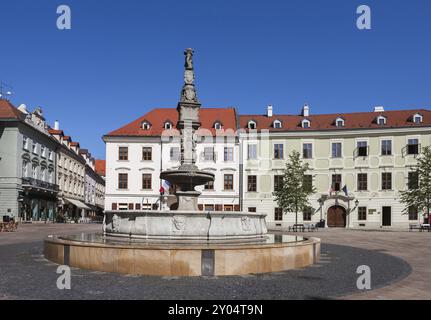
x=168 y=125
x=306 y=123
x=146 y=125
x=417 y=118
x=277 y=124
x=339 y=122
x=218 y=125
x=381 y=120
x=252 y=125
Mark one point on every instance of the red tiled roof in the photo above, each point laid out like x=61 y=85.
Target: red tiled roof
x=359 y=120
x=56 y=132
x=100 y=166
x=8 y=111
x=158 y=117
x=67 y=138
x=74 y=144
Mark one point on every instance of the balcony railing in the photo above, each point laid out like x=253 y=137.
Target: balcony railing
x=39 y=184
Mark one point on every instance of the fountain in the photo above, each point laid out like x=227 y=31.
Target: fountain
x=186 y=241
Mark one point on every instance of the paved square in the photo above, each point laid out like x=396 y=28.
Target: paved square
x=398 y=260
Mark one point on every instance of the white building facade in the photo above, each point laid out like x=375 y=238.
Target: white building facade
x=371 y=155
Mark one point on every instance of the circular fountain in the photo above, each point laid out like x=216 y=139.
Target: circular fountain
x=186 y=241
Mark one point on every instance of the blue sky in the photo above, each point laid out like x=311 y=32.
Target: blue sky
x=123 y=58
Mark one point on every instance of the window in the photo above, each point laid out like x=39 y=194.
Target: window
x=122 y=180
x=34 y=171
x=252 y=125
x=336 y=182
x=336 y=150
x=278 y=214
x=209 y=185
x=24 y=169
x=50 y=155
x=413 y=180
x=278 y=182
x=308 y=183
x=217 y=126
x=146 y=125
x=251 y=183
x=362 y=149
x=123 y=153
x=228 y=154
x=381 y=120
x=34 y=147
x=43 y=174
x=307 y=213
x=413 y=213
x=306 y=124
x=168 y=125
x=386 y=181
x=252 y=152
x=277 y=124
x=278 y=151
x=339 y=122
x=209 y=207
x=362 y=182
x=252 y=209
x=25 y=142
x=147 y=153
x=123 y=206
x=43 y=151
x=228 y=181
x=413 y=146
x=386 y=147
x=417 y=118
x=146 y=181
x=209 y=154
x=175 y=153
x=307 y=151
x=362 y=213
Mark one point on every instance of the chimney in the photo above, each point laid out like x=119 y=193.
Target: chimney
x=269 y=111
x=305 y=110
x=56 y=125
x=379 y=109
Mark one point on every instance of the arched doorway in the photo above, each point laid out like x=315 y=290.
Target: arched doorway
x=336 y=217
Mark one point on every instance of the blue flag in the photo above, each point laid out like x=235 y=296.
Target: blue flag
x=345 y=190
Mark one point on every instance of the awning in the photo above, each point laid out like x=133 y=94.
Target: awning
x=77 y=203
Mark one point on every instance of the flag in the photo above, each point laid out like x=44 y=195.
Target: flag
x=165 y=187
x=345 y=190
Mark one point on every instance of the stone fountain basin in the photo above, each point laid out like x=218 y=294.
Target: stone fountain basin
x=187 y=177
x=183 y=226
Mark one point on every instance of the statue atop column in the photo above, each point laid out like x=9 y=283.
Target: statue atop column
x=188 y=93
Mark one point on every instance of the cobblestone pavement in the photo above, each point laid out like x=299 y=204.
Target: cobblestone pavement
x=412 y=247
x=26 y=274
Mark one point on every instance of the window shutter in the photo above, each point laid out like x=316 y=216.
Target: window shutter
x=131 y=206
x=218 y=207
x=237 y=207
x=114 y=206
x=201 y=207
x=138 y=206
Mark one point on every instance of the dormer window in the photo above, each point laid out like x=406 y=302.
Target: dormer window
x=218 y=125
x=277 y=124
x=381 y=120
x=252 y=125
x=146 y=125
x=417 y=118
x=168 y=125
x=339 y=122
x=306 y=123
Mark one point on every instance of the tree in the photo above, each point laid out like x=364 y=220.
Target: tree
x=292 y=195
x=418 y=193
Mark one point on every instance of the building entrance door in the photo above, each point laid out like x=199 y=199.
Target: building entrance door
x=336 y=217
x=386 y=216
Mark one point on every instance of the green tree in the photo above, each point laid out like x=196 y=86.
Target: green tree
x=418 y=193
x=292 y=195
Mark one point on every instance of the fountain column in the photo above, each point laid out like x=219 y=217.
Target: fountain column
x=187 y=177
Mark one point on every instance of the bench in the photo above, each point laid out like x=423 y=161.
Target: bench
x=297 y=227
x=8 y=226
x=414 y=226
